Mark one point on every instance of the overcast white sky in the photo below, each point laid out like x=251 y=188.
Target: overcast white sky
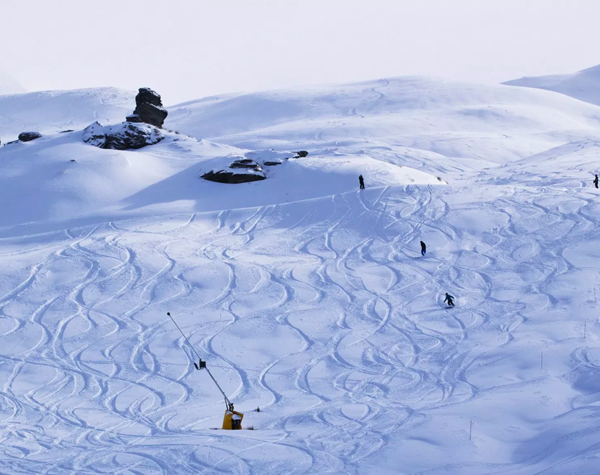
x=187 y=49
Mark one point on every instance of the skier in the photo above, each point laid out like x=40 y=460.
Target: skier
x=596 y=181
x=361 y=181
x=449 y=300
x=423 y=248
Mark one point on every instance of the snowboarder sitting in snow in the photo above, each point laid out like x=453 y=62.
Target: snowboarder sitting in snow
x=449 y=299
x=361 y=181
x=423 y=248
x=596 y=181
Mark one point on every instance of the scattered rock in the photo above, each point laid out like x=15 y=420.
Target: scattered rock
x=246 y=163
x=243 y=170
x=125 y=136
x=301 y=154
x=29 y=136
x=224 y=176
x=66 y=131
x=149 y=108
x=272 y=163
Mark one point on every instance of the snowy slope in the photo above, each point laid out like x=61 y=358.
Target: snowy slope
x=583 y=85
x=54 y=111
x=430 y=122
x=307 y=297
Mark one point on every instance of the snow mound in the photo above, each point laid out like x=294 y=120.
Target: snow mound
x=583 y=85
x=60 y=179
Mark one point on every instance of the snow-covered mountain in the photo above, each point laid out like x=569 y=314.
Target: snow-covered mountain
x=583 y=85
x=307 y=297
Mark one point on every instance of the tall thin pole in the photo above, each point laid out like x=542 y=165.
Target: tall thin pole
x=227 y=401
x=183 y=334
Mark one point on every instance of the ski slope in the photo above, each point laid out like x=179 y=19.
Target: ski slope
x=307 y=297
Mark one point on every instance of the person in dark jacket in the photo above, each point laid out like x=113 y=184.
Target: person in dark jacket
x=596 y=181
x=361 y=181
x=449 y=300
x=423 y=248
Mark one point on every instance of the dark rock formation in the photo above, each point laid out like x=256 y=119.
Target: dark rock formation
x=246 y=163
x=125 y=136
x=301 y=154
x=149 y=108
x=272 y=163
x=243 y=170
x=29 y=136
x=223 y=176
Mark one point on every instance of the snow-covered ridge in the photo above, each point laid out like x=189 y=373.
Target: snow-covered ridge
x=54 y=111
x=583 y=85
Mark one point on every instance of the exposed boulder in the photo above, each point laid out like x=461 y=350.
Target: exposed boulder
x=301 y=154
x=29 y=136
x=149 y=108
x=272 y=163
x=224 y=176
x=246 y=163
x=243 y=170
x=125 y=136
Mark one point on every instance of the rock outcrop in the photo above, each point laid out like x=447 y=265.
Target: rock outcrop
x=29 y=136
x=125 y=136
x=243 y=170
x=301 y=154
x=149 y=108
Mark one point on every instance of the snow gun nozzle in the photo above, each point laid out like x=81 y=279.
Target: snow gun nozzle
x=201 y=364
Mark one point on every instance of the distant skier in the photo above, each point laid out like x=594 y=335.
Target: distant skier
x=423 y=248
x=596 y=181
x=361 y=181
x=449 y=300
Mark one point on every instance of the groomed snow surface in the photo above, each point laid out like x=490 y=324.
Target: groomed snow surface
x=306 y=297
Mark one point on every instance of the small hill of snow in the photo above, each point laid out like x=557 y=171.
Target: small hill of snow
x=54 y=111
x=583 y=85
x=9 y=85
x=465 y=125
x=59 y=179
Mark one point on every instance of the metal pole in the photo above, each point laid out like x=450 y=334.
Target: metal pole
x=227 y=401
x=183 y=334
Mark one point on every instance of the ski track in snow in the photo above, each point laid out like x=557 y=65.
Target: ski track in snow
x=94 y=373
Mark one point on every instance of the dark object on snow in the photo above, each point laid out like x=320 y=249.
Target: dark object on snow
x=73 y=160
x=596 y=181
x=301 y=154
x=125 y=136
x=246 y=163
x=66 y=131
x=423 y=248
x=29 y=136
x=223 y=176
x=149 y=108
x=361 y=181
x=449 y=300
x=245 y=170
x=272 y=163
